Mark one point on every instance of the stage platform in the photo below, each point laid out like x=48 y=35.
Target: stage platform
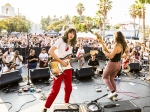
x=82 y=91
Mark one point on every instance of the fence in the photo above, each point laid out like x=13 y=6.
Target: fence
x=25 y=51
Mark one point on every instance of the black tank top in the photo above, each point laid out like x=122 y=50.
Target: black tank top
x=116 y=58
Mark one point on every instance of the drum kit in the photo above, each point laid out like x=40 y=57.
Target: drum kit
x=126 y=69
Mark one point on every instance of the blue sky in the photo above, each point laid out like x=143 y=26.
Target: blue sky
x=34 y=9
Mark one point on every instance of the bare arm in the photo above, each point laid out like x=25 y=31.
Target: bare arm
x=113 y=52
x=52 y=53
x=126 y=53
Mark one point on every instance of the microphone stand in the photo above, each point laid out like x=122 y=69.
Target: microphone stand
x=28 y=50
x=99 y=98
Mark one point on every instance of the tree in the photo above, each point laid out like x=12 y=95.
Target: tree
x=80 y=8
x=104 y=7
x=67 y=19
x=143 y=3
x=117 y=26
x=99 y=20
x=81 y=27
x=88 y=22
x=17 y=24
x=139 y=8
x=2 y=25
x=133 y=14
x=45 y=22
x=57 y=26
x=75 y=20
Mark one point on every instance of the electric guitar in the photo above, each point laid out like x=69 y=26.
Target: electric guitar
x=101 y=41
x=140 y=44
x=56 y=68
x=125 y=64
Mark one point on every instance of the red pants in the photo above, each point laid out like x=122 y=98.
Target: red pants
x=67 y=77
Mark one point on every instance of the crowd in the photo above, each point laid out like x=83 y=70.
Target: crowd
x=21 y=41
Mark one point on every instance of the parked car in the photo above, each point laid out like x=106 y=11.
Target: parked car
x=52 y=33
x=132 y=37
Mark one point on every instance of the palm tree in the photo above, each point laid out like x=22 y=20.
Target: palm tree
x=99 y=20
x=105 y=6
x=143 y=3
x=139 y=8
x=67 y=19
x=75 y=19
x=133 y=14
x=80 y=8
x=88 y=22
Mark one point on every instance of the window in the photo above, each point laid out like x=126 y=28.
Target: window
x=7 y=11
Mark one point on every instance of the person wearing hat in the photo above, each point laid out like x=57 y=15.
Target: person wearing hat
x=93 y=62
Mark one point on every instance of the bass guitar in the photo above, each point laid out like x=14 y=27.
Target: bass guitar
x=101 y=41
x=140 y=44
x=57 y=69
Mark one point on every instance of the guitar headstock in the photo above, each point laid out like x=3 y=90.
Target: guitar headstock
x=140 y=44
x=98 y=37
x=93 y=52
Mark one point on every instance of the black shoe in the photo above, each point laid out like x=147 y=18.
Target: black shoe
x=47 y=82
x=44 y=110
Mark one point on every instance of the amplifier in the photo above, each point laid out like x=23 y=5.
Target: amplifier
x=124 y=106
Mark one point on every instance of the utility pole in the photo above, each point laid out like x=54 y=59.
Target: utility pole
x=18 y=11
x=148 y=78
x=104 y=19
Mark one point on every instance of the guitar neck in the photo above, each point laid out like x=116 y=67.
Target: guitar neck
x=75 y=59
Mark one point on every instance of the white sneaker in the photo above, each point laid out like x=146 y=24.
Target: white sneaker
x=112 y=95
x=107 y=88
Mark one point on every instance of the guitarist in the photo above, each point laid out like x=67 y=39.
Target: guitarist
x=113 y=65
x=60 y=49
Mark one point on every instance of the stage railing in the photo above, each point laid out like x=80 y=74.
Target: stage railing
x=24 y=52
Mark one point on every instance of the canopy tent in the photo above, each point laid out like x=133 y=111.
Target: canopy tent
x=86 y=35
x=52 y=33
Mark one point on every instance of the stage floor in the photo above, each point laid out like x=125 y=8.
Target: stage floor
x=129 y=87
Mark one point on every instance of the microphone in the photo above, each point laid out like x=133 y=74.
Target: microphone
x=111 y=105
x=99 y=98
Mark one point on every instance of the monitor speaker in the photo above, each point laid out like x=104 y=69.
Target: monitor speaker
x=39 y=73
x=84 y=73
x=9 y=78
x=135 y=67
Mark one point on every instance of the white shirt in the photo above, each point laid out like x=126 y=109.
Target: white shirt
x=43 y=56
x=61 y=50
x=8 y=56
x=145 y=55
x=18 y=62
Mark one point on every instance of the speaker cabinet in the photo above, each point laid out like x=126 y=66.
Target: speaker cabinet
x=135 y=67
x=9 y=78
x=84 y=73
x=40 y=73
x=124 y=106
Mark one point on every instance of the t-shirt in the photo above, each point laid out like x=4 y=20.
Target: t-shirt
x=31 y=57
x=80 y=52
x=43 y=56
x=18 y=62
x=93 y=63
x=63 y=49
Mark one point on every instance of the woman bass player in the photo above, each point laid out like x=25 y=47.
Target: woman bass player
x=113 y=66
x=60 y=49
